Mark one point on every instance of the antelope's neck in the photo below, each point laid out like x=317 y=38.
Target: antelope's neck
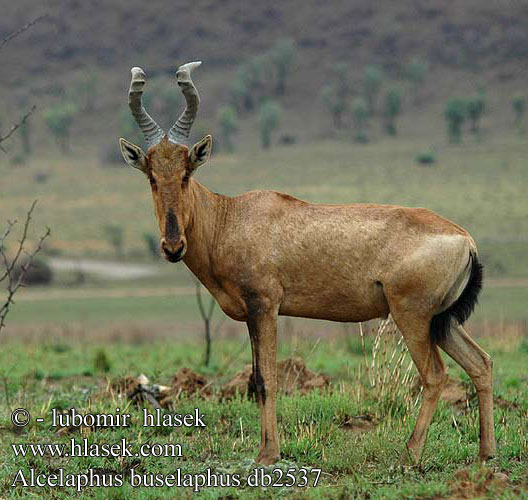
x=208 y=211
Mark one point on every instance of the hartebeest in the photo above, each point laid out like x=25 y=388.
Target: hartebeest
x=265 y=253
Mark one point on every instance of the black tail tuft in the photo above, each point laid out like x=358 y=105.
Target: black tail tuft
x=462 y=308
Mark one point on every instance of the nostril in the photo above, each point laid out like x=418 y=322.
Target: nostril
x=173 y=251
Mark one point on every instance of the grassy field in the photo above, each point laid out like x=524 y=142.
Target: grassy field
x=478 y=185
x=315 y=428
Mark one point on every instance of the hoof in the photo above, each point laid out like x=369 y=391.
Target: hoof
x=408 y=459
x=267 y=458
x=485 y=457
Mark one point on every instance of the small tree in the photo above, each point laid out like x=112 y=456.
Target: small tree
x=415 y=71
x=391 y=109
x=360 y=114
x=240 y=94
x=206 y=313
x=115 y=235
x=475 y=109
x=282 y=55
x=519 y=105
x=228 y=121
x=455 y=114
x=249 y=82
x=269 y=117
x=332 y=102
x=16 y=268
x=59 y=120
x=335 y=95
x=86 y=90
x=372 y=81
x=343 y=87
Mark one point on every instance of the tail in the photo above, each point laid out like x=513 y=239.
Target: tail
x=462 y=308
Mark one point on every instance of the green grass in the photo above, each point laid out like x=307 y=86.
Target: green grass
x=497 y=304
x=355 y=465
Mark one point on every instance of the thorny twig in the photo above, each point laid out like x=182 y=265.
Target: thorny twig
x=14 y=277
x=16 y=126
x=21 y=30
x=3 y=42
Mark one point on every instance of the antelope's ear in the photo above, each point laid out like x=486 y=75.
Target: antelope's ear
x=200 y=153
x=133 y=155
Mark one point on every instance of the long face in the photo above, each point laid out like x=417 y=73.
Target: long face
x=169 y=167
x=168 y=163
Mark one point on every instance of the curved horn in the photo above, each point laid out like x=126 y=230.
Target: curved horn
x=180 y=131
x=148 y=126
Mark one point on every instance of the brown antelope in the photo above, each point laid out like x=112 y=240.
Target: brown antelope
x=265 y=253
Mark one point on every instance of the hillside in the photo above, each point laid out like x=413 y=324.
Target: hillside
x=465 y=42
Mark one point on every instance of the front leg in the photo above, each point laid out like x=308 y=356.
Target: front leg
x=262 y=326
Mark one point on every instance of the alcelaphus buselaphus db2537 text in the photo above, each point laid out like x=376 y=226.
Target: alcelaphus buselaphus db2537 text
x=265 y=253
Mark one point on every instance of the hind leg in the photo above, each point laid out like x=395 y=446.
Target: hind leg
x=431 y=368
x=477 y=364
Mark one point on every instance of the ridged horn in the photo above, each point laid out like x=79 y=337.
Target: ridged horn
x=151 y=130
x=180 y=131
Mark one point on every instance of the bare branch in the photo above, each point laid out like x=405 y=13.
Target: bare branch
x=15 y=279
x=199 y=300
x=206 y=317
x=21 y=30
x=16 y=126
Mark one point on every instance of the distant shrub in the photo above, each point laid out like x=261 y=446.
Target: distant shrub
x=372 y=81
x=269 y=118
x=282 y=55
x=59 y=120
x=360 y=114
x=38 y=273
x=475 y=109
x=426 y=158
x=101 y=363
x=241 y=94
x=415 y=71
x=455 y=113
x=228 y=121
x=335 y=95
x=249 y=82
x=332 y=104
x=392 y=106
x=41 y=177
x=85 y=89
x=287 y=139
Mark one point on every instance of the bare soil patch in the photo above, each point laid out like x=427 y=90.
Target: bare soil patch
x=359 y=423
x=293 y=376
